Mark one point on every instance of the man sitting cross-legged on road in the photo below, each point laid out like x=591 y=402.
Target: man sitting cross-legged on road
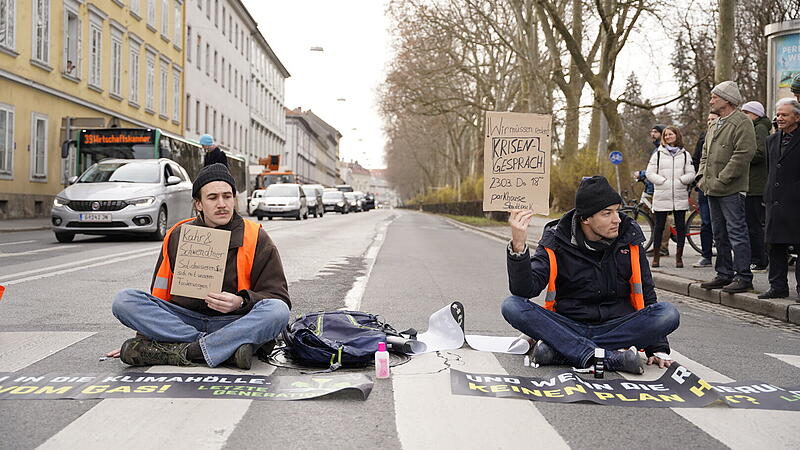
x=600 y=292
x=251 y=310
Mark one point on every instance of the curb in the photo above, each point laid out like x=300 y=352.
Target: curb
x=782 y=309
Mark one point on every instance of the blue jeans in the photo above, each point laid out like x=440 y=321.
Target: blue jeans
x=219 y=336
x=706 y=236
x=577 y=341
x=729 y=225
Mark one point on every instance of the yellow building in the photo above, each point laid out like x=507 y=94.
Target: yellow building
x=105 y=62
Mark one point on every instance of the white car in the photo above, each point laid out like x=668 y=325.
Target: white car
x=255 y=200
x=282 y=200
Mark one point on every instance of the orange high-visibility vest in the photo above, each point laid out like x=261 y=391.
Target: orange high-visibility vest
x=244 y=261
x=637 y=294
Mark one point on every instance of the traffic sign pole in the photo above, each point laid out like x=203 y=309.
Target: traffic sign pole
x=616 y=158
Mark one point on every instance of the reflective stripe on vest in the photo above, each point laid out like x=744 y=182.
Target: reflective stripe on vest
x=244 y=260
x=637 y=293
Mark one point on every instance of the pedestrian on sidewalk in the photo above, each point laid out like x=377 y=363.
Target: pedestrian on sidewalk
x=224 y=327
x=754 y=201
x=782 y=197
x=655 y=137
x=706 y=236
x=671 y=172
x=213 y=153
x=723 y=177
x=600 y=293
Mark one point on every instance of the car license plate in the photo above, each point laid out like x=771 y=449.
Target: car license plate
x=95 y=217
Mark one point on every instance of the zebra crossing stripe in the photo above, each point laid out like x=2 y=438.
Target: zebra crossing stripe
x=20 y=349
x=788 y=359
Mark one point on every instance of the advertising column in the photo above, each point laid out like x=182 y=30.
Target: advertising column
x=783 y=44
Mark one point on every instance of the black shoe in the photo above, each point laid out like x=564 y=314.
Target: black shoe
x=774 y=293
x=627 y=361
x=716 y=283
x=738 y=286
x=758 y=268
x=144 y=352
x=243 y=357
x=544 y=355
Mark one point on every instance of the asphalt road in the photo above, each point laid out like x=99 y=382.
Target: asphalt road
x=55 y=317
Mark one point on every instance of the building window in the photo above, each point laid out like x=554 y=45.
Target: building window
x=133 y=72
x=7 y=22
x=38 y=146
x=95 y=54
x=188 y=43
x=197 y=53
x=208 y=60
x=205 y=120
x=41 y=30
x=197 y=116
x=187 y=117
x=216 y=13
x=163 y=89
x=6 y=139
x=222 y=74
x=177 y=24
x=135 y=7
x=230 y=27
x=151 y=13
x=223 y=20
x=208 y=8
x=176 y=96
x=150 y=81
x=116 y=64
x=215 y=65
x=229 y=77
x=165 y=18
x=72 y=43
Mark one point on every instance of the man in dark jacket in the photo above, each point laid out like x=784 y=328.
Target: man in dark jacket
x=591 y=248
x=754 y=201
x=251 y=310
x=213 y=153
x=706 y=235
x=782 y=197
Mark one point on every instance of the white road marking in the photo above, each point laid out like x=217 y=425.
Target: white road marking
x=81 y=267
x=71 y=264
x=788 y=359
x=352 y=301
x=19 y=349
x=156 y=423
x=427 y=415
x=18 y=242
x=735 y=428
x=40 y=250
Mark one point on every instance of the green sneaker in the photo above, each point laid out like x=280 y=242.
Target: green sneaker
x=144 y=352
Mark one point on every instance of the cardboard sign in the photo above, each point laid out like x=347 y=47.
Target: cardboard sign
x=200 y=261
x=516 y=161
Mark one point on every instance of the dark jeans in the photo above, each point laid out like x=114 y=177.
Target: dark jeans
x=730 y=235
x=577 y=341
x=706 y=236
x=755 y=215
x=779 y=268
x=680 y=227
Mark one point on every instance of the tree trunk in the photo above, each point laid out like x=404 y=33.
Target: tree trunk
x=573 y=95
x=723 y=55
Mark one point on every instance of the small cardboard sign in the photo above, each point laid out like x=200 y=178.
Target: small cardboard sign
x=517 y=162
x=200 y=261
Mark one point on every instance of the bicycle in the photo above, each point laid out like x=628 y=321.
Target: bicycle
x=641 y=211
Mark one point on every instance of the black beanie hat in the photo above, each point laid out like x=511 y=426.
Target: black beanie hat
x=213 y=172
x=593 y=195
x=659 y=127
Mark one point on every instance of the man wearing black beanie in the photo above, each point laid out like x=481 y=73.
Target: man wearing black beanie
x=600 y=293
x=224 y=327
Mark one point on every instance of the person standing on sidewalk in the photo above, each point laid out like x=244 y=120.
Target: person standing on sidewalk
x=782 y=197
x=754 y=202
x=706 y=236
x=600 y=293
x=655 y=136
x=723 y=176
x=671 y=172
x=213 y=153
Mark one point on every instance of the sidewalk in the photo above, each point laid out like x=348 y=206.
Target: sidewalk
x=685 y=281
x=11 y=225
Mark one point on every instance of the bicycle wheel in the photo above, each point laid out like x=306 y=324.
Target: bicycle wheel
x=645 y=222
x=693 y=226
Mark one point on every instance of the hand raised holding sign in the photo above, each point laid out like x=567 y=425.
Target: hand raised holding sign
x=224 y=302
x=519 y=219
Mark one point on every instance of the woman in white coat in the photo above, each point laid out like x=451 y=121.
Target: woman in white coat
x=671 y=171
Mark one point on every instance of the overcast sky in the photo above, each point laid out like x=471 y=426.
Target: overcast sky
x=339 y=84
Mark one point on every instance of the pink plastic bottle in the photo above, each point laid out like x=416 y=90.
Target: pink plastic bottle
x=382 y=361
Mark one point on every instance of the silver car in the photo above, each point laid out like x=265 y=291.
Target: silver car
x=123 y=196
x=282 y=200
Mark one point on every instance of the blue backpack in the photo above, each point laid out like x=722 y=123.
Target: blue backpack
x=336 y=338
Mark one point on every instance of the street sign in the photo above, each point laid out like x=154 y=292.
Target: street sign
x=615 y=158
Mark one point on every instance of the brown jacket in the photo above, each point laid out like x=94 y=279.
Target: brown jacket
x=267 y=279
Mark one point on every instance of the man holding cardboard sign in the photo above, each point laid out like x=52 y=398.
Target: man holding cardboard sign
x=600 y=293
x=218 y=292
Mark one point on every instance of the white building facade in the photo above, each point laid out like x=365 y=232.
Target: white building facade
x=266 y=100
x=312 y=148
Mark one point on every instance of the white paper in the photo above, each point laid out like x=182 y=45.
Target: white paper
x=499 y=344
x=444 y=332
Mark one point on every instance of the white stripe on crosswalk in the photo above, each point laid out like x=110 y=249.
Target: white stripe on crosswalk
x=428 y=415
x=19 y=349
x=17 y=242
x=80 y=263
x=39 y=250
x=81 y=267
x=156 y=423
x=788 y=359
x=736 y=428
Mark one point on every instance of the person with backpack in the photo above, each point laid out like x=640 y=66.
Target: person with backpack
x=600 y=293
x=224 y=327
x=671 y=171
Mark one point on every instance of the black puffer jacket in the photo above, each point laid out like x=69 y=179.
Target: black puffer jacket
x=591 y=287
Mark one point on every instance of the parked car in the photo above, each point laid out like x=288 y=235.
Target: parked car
x=352 y=199
x=333 y=200
x=314 y=199
x=361 y=200
x=344 y=187
x=282 y=200
x=255 y=199
x=123 y=196
x=369 y=202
